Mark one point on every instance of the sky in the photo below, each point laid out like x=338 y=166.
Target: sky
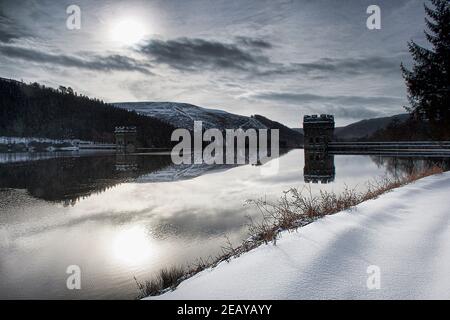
x=278 y=58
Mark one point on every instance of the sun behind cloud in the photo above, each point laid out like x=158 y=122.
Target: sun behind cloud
x=128 y=31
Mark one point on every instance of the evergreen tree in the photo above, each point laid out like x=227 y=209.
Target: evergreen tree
x=428 y=81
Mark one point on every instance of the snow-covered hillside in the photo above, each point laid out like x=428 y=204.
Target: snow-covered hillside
x=181 y=172
x=183 y=115
x=401 y=239
x=189 y=171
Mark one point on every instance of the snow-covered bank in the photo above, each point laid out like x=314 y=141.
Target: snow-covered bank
x=26 y=140
x=405 y=233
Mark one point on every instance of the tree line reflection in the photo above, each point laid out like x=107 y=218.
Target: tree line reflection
x=319 y=165
x=67 y=180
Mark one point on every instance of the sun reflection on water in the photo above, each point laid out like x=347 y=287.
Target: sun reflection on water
x=132 y=246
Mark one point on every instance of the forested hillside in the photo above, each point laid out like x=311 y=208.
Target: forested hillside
x=33 y=110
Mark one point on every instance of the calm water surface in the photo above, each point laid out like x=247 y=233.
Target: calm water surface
x=119 y=217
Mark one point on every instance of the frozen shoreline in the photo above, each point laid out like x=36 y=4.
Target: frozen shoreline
x=405 y=232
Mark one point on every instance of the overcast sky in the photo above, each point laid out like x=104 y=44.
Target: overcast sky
x=281 y=59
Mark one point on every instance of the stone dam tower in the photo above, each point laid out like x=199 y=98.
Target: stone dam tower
x=126 y=138
x=318 y=131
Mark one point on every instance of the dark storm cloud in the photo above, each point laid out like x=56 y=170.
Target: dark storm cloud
x=253 y=43
x=9 y=31
x=94 y=62
x=333 y=66
x=194 y=54
x=309 y=98
x=249 y=55
x=5 y=35
x=353 y=66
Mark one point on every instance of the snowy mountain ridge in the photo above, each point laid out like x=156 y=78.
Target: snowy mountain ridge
x=183 y=115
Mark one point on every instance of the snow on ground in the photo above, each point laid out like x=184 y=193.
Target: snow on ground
x=406 y=233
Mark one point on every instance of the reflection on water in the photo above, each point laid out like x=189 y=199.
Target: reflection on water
x=131 y=215
x=398 y=166
x=67 y=179
x=319 y=167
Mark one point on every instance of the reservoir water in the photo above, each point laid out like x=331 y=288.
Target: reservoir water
x=123 y=216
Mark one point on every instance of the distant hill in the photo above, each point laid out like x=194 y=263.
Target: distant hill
x=183 y=115
x=33 y=110
x=364 y=128
x=288 y=137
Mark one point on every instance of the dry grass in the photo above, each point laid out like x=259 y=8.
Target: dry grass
x=167 y=278
x=294 y=209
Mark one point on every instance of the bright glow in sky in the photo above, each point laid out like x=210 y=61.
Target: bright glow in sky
x=128 y=31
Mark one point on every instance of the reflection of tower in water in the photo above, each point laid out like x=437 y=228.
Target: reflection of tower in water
x=126 y=162
x=319 y=167
x=319 y=164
